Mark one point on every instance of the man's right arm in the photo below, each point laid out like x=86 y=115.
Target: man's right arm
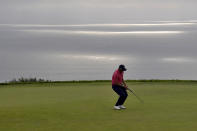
x=117 y=81
x=120 y=84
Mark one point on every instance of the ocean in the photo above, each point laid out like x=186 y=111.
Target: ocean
x=148 y=49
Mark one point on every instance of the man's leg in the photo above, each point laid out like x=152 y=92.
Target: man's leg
x=122 y=93
x=123 y=96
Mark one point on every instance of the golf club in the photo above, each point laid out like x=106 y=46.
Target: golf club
x=132 y=91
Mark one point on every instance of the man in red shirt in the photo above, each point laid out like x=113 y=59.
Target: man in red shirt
x=120 y=87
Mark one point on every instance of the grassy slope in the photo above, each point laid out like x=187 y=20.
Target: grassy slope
x=88 y=106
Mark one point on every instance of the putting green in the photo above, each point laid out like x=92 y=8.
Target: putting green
x=169 y=106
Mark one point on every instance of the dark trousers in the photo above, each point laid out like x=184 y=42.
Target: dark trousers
x=121 y=91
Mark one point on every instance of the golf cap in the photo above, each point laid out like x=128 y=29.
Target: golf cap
x=122 y=67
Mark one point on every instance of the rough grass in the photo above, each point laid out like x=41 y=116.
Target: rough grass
x=169 y=106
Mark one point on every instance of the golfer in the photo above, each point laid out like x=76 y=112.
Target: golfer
x=120 y=87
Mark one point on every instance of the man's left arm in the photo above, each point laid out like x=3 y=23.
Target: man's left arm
x=124 y=84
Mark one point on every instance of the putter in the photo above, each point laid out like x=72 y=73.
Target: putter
x=132 y=91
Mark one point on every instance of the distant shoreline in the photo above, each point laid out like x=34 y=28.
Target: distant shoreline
x=93 y=81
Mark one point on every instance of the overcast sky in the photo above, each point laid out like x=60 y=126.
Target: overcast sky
x=88 y=39
x=94 y=11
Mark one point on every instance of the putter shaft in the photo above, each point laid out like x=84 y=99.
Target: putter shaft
x=136 y=95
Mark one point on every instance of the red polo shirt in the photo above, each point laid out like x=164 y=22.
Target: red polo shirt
x=117 y=77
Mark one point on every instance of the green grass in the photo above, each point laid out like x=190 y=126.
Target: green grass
x=87 y=106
